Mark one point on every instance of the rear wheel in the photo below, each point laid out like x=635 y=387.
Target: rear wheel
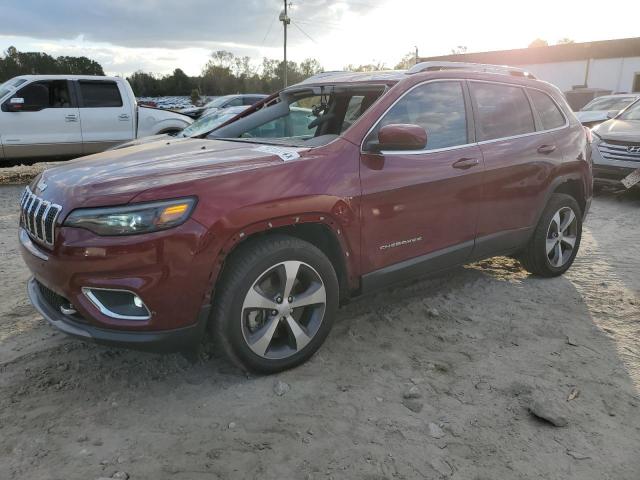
x=276 y=303
x=556 y=239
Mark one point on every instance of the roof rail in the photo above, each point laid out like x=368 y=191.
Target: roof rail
x=478 y=67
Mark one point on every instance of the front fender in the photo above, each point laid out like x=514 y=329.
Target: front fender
x=339 y=215
x=153 y=122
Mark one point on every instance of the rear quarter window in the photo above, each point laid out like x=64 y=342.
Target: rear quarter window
x=548 y=111
x=100 y=94
x=501 y=110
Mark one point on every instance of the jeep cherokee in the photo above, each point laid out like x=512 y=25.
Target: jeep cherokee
x=255 y=233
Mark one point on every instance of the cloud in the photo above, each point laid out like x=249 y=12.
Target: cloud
x=167 y=24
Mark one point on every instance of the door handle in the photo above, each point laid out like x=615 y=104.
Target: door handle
x=123 y=117
x=465 y=163
x=70 y=118
x=546 y=149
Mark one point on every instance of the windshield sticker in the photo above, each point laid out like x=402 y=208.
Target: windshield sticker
x=286 y=154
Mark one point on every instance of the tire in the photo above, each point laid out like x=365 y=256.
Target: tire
x=255 y=324
x=549 y=252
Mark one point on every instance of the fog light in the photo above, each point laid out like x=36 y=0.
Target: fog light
x=120 y=304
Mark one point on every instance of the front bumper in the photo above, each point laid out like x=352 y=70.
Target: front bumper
x=608 y=171
x=161 y=341
x=170 y=271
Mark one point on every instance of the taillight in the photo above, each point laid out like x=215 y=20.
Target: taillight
x=589 y=134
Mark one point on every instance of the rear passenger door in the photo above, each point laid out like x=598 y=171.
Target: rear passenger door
x=106 y=118
x=520 y=156
x=419 y=208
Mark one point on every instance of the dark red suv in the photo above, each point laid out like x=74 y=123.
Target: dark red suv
x=254 y=234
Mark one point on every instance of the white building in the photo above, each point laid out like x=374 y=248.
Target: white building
x=609 y=65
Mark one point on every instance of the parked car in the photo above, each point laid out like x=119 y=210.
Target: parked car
x=255 y=234
x=70 y=115
x=225 y=101
x=201 y=126
x=616 y=147
x=602 y=108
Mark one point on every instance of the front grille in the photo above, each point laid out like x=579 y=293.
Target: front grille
x=39 y=217
x=618 y=150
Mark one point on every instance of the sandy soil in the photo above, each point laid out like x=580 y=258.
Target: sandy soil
x=429 y=380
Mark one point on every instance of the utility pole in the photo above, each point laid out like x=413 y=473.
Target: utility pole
x=284 y=18
x=416 y=47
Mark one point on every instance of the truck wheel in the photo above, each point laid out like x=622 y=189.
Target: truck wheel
x=556 y=239
x=275 y=304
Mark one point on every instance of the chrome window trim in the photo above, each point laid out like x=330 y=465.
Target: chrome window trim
x=466 y=145
x=536 y=132
x=399 y=152
x=105 y=311
x=566 y=120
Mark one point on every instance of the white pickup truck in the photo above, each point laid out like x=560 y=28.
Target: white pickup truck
x=72 y=115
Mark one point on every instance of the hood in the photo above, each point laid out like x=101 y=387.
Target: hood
x=115 y=177
x=621 y=130
x=592 y=115
x=144 y=140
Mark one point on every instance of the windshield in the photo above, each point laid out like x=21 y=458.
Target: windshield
x=607 y=103
x=631 y=113
x=206 y=124
x=9 y=85
x=314 y=116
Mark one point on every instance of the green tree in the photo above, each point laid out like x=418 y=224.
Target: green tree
x=565 y=41
x=14 y=63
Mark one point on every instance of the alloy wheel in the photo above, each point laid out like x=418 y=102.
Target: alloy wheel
x=283 y=310
x=561 y=236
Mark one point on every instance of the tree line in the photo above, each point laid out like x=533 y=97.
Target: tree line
x=224 y=73
x=14 y=63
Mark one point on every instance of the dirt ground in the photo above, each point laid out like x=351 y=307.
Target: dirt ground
x=425 y=381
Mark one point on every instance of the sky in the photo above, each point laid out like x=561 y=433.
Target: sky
x=158 y=35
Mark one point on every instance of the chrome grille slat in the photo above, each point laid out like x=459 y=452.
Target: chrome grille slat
x=615 y=151
x=38 y=217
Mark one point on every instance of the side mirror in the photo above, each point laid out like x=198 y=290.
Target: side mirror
x=612 y=113
x=401 y=136
x=15 y=104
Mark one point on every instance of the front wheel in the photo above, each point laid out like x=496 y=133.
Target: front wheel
x=556 y=239
x=275 y=305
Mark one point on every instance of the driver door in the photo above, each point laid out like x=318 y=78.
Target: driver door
x=48 y=124
x=420 y=208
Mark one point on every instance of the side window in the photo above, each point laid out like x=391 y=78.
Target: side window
x=250 y=100
x=40 y=95
x=439 y=108
x=99 y=94
x=502 y=110
x=548 y=111
x=234 y=102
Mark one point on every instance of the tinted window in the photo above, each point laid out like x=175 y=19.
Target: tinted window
x=251 y=100
x=438 y=107
x=100 y=94
x=40 y=95
x=502 y=110
x=236 y=102
x=548 y=111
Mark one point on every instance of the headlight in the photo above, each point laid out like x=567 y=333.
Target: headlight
x=132 y=219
